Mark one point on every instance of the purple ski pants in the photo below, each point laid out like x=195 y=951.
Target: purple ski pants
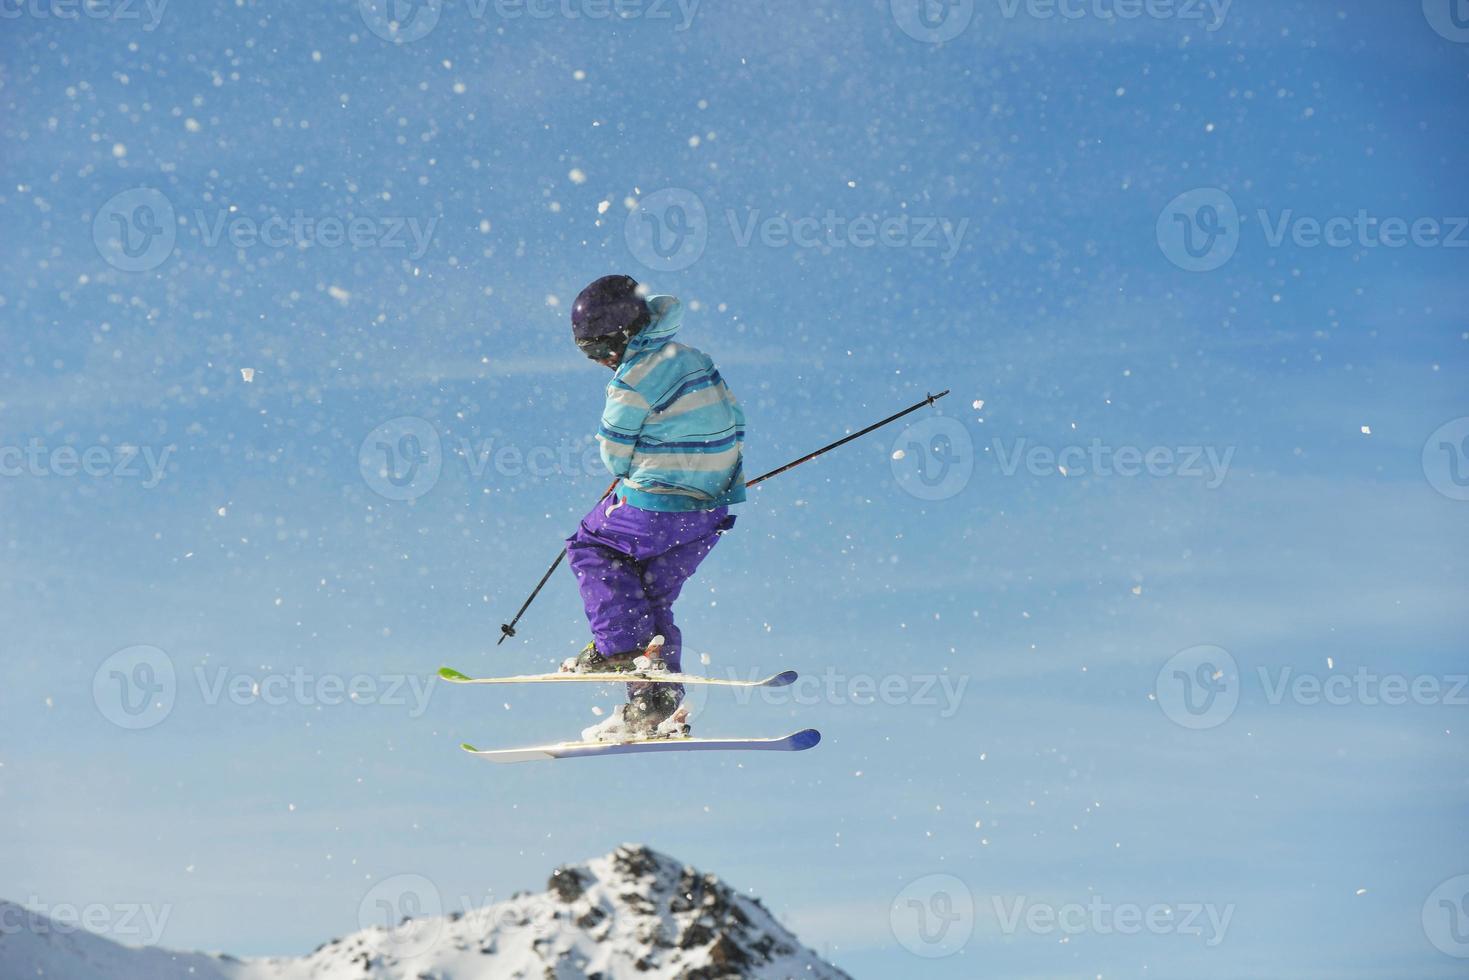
x=631 y=564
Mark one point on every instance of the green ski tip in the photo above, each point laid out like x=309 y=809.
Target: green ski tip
x=450 y=674
x=467 y=747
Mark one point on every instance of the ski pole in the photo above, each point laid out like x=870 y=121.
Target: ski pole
x=846 y=439
x=508 y=629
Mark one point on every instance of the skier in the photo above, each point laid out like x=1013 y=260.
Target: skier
x=674 y=435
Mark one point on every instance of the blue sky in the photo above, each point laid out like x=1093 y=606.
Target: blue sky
x=530 y=153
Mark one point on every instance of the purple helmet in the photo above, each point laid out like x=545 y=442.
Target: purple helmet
x=609 y=309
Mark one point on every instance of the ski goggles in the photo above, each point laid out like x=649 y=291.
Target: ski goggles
x=601 y=348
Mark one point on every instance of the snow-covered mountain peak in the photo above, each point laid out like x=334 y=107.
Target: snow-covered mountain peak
x=633 y=913
x=678 y=919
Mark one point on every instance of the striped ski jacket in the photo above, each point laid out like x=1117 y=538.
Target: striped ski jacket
x=671 y=428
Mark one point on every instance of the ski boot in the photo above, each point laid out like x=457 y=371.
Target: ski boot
x=656 y=712
x=593 y=661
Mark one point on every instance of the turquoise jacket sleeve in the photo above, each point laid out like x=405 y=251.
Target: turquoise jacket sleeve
x=622 y=421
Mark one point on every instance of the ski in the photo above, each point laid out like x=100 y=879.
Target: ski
x=782 y=679
x=795 y=742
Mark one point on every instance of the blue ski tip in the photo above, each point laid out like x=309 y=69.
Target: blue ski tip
x=807 y=739
x=784 y=679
